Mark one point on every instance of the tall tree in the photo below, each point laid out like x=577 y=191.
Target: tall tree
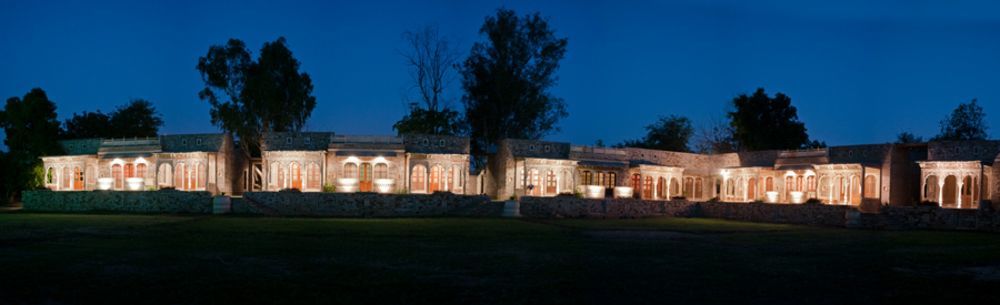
x=253 y=98
x=716 y=138
x=966 y=122
x=761 y=122
x=32 y=131
x=432 y=60
x=87 y=125
x=507 y=78
x=668 y=133
x=908 y=138
x=137 y=118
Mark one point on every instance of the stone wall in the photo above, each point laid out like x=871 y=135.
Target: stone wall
x=574 y=207
x=365 y=205
x=928 y=218
x=165 y=201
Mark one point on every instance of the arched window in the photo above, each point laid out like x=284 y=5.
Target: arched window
x=381 y=171
x=824 y=188
x=811 y=183
x=601 y=177
x=769 y=184
x=636 y=183
x=459 y=176
x=418 y=179
x=313 y=177
x=688 y=190
x=449 y=180
x=550 y=183
x=698 y=188
x=66 y=179
x=295 y=170
x=436 y=181
x=647 y=188
x=567 y=180
x=871 y=190
x=165 y=175
x=140 y=170
x=77 y=178
x=199 y=176
x=50 y=176
x=179 y=176
x=129 y=170
x=931 y=188
x=116 y=174
x=661 y=188
x=534 y=182
x=588 y=178
x=612 y=180
x=350 y=170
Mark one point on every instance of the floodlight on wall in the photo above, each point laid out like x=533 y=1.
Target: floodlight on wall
x=623 y=192
x=772 y=196
x=347 y=185
x=594 y=191
x=383 y=186
x=797 y=197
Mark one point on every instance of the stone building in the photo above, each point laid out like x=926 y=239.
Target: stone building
x=950 y=174
x=196 y=162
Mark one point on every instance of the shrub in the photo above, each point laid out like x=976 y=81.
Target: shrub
x=329 y=188
x=714 y=199
x=814 y=201
x=758 y=201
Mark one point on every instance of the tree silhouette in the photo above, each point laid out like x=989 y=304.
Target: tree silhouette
x=966 y=122
x=761 y=122
x=716 y=138
x=32 y=131
x=668 y=133
x=138 y=118
x=507 y=78
x=432 y=62
x=908 y=138
x=253 y=98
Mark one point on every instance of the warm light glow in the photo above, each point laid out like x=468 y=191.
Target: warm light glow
x=383 y=186
x=352 y=159
x=797 y=197
x=380 y=159
x=104 y=184
x=623 y=192
x=593 y=191
x=772 y=196
x=141 y=160
x=347 y=185
x=135 y=183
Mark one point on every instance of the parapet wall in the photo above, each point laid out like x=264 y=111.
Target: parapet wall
x=163 y=201
x=365 y=205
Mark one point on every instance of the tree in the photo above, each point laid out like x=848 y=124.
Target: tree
x=716 y=138
x=966 y=122
x=425 y=121
x=507 y=78
x=253 y=98
x=908 y=138
x=32 y=131
x=761 y=122
x=138 y=118
x=432 y=61
x=668 y=133
x=87 y=125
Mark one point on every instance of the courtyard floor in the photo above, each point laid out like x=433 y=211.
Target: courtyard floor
x=70 y=259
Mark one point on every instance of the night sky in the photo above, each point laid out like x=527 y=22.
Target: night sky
x=858 y=72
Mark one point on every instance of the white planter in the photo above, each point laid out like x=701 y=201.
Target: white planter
x=134 y=183
x=797 y=197
x=383 y=186
x=104 y=184
x=593 y=191
x=623 y=192
x=772 y=196
x=347 y=185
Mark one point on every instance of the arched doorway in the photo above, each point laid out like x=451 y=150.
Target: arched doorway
x=418 y=179
x=968 y=189
x=931 y=189
x=534 y=183
x=636 y=184
x=675 y=188
x=296 y=172
x=661 y=188
x=312 y=176
x=949 y=192
x=647 y=188
x=689 y=187
x=365 y=177
x=855 y=190
x=116 y=174
x=550 y=183
x=752 y=189
x=698 y=189
x=435 y=179
x=77 y=178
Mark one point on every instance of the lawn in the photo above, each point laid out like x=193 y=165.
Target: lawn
x=69 y=259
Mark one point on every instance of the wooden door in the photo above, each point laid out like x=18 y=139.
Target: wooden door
x=365 y=178
x=296 y=176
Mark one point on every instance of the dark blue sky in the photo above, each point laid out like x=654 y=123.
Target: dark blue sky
x=858 y=72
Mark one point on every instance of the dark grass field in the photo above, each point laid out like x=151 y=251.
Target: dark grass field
x=71 y=259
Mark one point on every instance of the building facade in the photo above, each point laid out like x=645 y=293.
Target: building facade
x=950 y=174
